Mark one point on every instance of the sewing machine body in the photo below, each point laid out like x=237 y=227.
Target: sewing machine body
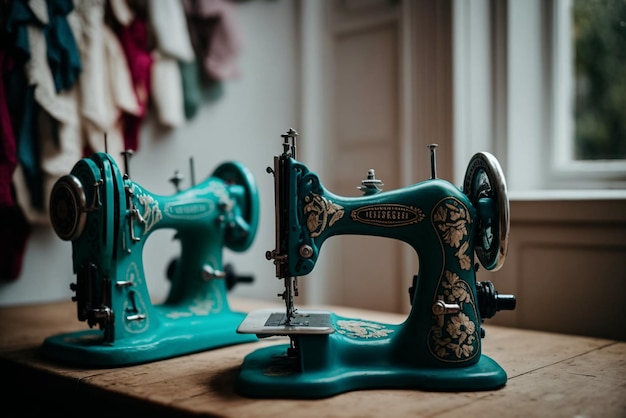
x=109 y=218
x=438 y=346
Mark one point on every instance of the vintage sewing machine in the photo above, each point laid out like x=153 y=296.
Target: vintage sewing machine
x=108 y=219
x=438 y=347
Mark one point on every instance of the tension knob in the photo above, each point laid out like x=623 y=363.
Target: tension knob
x=371 y=185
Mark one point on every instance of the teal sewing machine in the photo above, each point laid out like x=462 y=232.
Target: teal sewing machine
x=108 y=218
x=438 y=347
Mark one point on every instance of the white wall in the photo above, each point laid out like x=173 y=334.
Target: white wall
x=244 y=124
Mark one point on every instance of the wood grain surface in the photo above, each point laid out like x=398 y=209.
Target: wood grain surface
x=550 y=375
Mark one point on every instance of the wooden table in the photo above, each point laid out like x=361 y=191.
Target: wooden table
x=550 y=375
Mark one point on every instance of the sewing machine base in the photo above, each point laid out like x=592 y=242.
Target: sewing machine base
x=174 y=337
x=358 y=355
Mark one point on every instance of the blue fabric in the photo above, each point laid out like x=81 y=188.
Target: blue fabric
x=28 y=150
x=63 y=53
x=64 y=62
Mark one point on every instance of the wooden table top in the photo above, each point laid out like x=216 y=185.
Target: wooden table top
x=549 y=375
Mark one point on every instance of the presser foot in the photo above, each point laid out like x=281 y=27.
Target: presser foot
x=173 y=338
x=358 y=355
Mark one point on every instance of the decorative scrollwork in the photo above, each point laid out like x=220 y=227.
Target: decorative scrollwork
x=362 y=329
x=151 y=213
x=320 y=213
x=451 y=219
x=455 y=339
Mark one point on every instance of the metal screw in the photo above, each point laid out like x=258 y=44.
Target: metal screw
x=306 y=251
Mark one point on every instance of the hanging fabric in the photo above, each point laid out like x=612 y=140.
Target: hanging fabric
x=132 y=29
x=173 y=49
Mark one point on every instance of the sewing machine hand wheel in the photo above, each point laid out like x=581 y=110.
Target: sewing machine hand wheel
x=236 y=174
x=67 y=207
x=485 y=186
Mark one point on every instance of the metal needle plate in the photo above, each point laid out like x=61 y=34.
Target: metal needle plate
x=272 y=322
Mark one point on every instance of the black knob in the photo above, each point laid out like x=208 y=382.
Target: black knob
x=233 y=278
x=490 y=302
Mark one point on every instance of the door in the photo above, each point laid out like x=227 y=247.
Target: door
x=388 y=88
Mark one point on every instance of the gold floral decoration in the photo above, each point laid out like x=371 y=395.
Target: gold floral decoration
x=455 y=289
x=451 y=220
x=320 y=213
x=457 y=339
x=454 y=336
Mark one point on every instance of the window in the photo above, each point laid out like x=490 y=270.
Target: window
x=542 y=89
x=589 y=81
x=599 y=38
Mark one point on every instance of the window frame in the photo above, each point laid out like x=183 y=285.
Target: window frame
x=565 y=170
x=516 y=109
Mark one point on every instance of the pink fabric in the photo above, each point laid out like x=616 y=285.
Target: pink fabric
x=135 y=43
x=15 y=233
x=8 y=149
x=215 y=36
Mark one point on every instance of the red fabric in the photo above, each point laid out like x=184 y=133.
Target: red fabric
x=15 y=233
x=14 y=227
x=8 y=149
x=134 y=39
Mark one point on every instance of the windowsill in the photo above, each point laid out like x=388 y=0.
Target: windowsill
x=567 y=195
x=569 y=206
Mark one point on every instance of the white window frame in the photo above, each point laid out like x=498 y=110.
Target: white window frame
x=509 y=100
x=565 y=170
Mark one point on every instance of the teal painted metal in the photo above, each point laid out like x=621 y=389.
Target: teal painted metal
x=330 y=364
x=171 y=338
x=438 y=346
x=109 y=218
